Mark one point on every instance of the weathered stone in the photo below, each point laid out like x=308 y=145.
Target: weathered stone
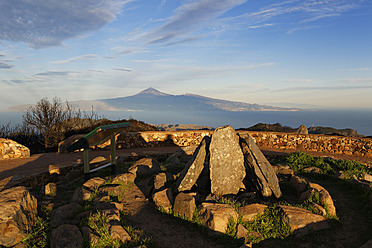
x=283 y=171
x=145 y=167
x=112 y=190
x=216 y=216
x=366 y=177
x=161 y=179
x=125 y=178
x=301 y=221
x=89 y=234
x=226 y=163
x=241 y=232
x=66 y=236
x=184 y=205
x=50 y=189
x=249 y=212
x=299 y=184
x=63 y=215
x=97 y=160
x=93 y=183
x=54 y=169
x=18 y=210
x=302 y=130
x=325 y=198
x=164 y=199
x=260 y=170
x=117 y=232
x=194 y=167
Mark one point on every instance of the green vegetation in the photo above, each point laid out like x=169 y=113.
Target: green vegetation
x=265 y=226
x=100 y=226
x=299 y=161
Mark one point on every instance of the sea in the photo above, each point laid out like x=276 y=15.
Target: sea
x=359 y=120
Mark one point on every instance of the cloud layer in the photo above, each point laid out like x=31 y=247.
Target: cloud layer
x=43 y=23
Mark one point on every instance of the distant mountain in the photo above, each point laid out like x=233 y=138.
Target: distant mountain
x=154 y=100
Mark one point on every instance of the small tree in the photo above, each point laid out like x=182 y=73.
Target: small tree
x=48 y=118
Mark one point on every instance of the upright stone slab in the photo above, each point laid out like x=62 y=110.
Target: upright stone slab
x=18 y=210
x=226 y=164
x=193 y=169
x=263 y=174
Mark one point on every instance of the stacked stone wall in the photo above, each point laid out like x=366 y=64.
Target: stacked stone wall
x=300 y=142
x=10 y=149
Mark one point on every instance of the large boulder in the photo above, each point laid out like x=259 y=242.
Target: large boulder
x=193 y=169
x=301 y=221
x=18 y=210
x=260 y=171
x=66 y=236
x=144 y=167
x=226 y=162
x=216 y=216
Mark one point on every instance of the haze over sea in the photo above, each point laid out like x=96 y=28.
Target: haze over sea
x=359 y=120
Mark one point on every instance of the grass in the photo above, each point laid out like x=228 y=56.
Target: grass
x=299 y=161
x=39 y=235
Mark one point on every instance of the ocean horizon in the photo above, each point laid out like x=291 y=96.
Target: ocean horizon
x=359 y=120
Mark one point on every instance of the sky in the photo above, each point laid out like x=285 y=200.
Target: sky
x=294 y=53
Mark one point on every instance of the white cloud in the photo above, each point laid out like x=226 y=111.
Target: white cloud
x=81 y=57
x=54 y=73
x=299 y=80
x=5 y=65
x=43 y=23
x=123 y=69
x=189 y=17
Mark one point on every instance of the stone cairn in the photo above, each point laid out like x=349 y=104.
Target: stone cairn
x=226 y=164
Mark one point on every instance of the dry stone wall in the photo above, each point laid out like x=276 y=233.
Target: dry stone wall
x=300 y=142
x=10 y=149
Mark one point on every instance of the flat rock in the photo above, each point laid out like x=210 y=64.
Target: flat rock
x=18 y=210
x=145 y=167
x=194 y=167
x=216 y=216
x=302 y=221
x=262 y=173
x=184 y=205
x=125 y=178
x=93 y=183
x=112 y=189
x=249 y=212
x=66 y=236
x=226 y=162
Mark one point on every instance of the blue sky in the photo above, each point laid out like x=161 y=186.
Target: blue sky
x=304 y=53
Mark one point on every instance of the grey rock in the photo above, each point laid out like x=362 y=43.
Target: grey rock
x=66 y=236
x=302 y=130
x=18 y=210
x=50 y=189
x=125 y=178
x=184 y=205
x=226 y=162
x=117 y=232
x=259 y=169
x=112 y=190
x=193 y=169
x=241 y=232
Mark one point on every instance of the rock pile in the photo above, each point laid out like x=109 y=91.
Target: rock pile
x=226 y=165
x=10 y=149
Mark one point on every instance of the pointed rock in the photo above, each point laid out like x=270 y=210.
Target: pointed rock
x=193 y=169
x=262 y=173
x=226 y=164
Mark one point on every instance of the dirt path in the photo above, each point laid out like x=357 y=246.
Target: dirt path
x=165 y=230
